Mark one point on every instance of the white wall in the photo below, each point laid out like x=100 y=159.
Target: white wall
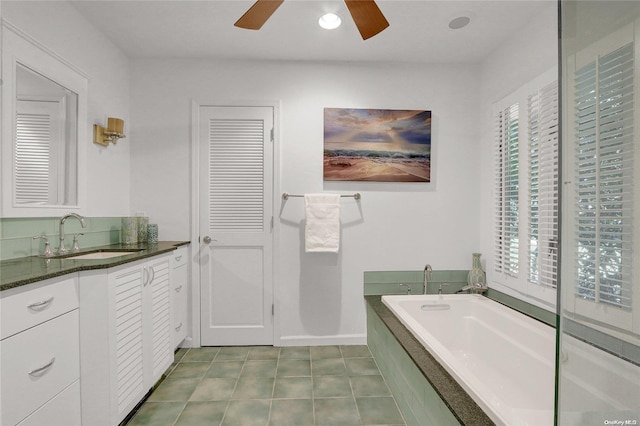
x=62 y=29
x=528 y=54
x=394 y=227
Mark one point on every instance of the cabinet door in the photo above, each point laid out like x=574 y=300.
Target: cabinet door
x=129 y=383
x=159 y=318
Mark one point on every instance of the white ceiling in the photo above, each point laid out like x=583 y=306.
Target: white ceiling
x=418 y=30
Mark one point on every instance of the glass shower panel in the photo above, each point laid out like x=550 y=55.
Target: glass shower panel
x=599 y=301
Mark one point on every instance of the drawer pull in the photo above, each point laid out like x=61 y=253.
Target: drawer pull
x=39 y=371
x=178 y=288
x=178 y=258
x=179 y=327
x=153 y=274
x=38 y=306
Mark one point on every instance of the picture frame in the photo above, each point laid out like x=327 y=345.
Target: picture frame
x=379 y=145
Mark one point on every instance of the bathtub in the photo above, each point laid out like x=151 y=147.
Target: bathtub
x=504 y=360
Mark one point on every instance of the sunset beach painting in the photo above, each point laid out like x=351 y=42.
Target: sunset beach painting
x=379 y=145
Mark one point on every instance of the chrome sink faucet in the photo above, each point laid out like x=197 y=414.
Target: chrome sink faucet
x=61 y=248
x=427 y=269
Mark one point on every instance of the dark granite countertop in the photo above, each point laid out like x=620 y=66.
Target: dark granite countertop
x=26 y=270
x=463 y=407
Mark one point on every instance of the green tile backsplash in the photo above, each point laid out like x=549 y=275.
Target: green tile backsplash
x=16 y=234
x=388 y=282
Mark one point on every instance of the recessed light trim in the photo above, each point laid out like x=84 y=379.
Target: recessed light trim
x=329 y=21
x=459 y=22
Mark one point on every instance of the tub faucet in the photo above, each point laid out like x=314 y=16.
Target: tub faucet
x=427 y=269
x=475 y=288
x=63 y=219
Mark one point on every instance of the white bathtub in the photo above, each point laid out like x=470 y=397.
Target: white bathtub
x=503 y=359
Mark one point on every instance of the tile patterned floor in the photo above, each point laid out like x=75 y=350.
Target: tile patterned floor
x=263 y=385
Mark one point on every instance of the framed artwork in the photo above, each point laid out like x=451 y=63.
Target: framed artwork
x=379 y=145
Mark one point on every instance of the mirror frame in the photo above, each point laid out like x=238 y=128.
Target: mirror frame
x=19 y=47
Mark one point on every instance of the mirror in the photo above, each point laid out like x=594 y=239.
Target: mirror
x=44 y=111
x=46 y=143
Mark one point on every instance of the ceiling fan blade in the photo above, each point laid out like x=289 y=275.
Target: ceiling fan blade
x=257 y=15
x=367 y=16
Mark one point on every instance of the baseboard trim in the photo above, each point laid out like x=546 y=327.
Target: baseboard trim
x=343 y=339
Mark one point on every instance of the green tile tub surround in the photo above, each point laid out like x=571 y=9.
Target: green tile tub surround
x=424 y=390
x=388 y=282
x=16 y=234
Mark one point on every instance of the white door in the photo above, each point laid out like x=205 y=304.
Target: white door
x=235 y=222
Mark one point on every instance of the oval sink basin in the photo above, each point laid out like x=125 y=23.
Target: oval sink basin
x=101 y=255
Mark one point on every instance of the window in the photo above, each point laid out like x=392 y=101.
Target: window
x=543 y=186
x=526 y=191
x=604 y=108
x=507 y=190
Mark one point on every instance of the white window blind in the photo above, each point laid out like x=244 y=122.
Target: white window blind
x=604 y=178
x=543 y=186
x=236 y=180
x=507 y=191
x=32 y=158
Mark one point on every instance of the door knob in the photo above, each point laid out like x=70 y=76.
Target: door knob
x=206 y=239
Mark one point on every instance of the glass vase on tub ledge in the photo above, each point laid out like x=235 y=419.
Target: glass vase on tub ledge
x=476 y=274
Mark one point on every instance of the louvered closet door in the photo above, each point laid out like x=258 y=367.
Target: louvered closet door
x=236 y=187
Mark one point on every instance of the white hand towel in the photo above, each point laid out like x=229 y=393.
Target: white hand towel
x=322 y=231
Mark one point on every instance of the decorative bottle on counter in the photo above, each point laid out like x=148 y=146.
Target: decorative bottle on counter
x=129 y=230
x=143 y=224
x=476 y=274
x=152 y=233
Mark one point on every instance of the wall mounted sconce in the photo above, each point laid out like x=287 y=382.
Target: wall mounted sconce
x=113 y=132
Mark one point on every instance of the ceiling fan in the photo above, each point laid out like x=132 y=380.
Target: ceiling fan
x=365 y=13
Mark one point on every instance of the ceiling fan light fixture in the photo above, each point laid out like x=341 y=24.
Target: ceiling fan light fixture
x=329 y=21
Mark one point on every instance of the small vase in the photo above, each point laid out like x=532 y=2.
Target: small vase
x=152 y=233
x=143 y=223
x=476 y=274
x=129 y=230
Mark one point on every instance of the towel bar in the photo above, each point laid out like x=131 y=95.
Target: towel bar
x=285 y=196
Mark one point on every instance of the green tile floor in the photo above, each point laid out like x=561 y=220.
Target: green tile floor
x=263 y=385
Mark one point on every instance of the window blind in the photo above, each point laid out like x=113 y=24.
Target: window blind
x=507 y=191
x=236 y=181
x=543 y=186
x=604 y=176
x=32 y=158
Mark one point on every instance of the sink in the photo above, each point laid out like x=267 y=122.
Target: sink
x=101 y=255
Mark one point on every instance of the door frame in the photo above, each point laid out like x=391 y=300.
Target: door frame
x=195 y=208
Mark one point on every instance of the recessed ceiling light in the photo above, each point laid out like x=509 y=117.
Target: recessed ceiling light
x=459 y=22
x=329 y=21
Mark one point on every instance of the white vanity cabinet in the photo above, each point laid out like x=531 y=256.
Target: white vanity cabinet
x=39 y=349
x=179 y=293
x=126 y=336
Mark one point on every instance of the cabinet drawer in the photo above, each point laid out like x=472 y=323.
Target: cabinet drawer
x=27 y=306
x=179 y=282
x=179 y=257
x=37 y=364
x=179 y=324
x=62 y=410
